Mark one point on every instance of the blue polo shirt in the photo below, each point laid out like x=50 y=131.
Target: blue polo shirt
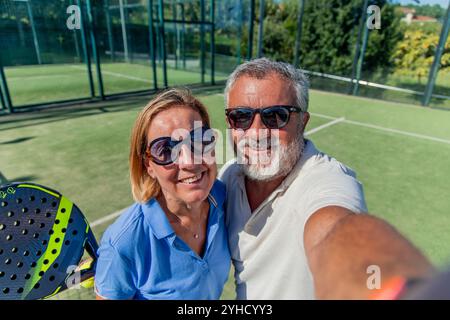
x=141 y=257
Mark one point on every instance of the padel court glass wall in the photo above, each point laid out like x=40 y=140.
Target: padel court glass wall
x=54 y=51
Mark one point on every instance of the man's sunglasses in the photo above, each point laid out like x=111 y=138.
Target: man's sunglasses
x=273 y=117
x=165 y=150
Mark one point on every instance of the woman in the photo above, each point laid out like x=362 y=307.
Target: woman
x=172 y=243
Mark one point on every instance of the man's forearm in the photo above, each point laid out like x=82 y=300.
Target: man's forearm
x=340 y=262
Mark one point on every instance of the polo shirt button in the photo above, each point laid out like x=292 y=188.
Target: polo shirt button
x=205 y=266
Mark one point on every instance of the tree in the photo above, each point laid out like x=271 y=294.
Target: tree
x=330 y=29
x=331 y=32
x=383 y=42
x=414 y=55
x=279 y=30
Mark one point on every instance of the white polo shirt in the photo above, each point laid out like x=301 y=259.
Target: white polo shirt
x=267 y=245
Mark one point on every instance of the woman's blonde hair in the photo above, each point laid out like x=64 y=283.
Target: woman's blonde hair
x=143 y=186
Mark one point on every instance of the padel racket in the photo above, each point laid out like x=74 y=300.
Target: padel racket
x=43 y=236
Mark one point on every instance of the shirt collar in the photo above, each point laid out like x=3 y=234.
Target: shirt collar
x=159 y=223
x=308 y=151
x=157 y=219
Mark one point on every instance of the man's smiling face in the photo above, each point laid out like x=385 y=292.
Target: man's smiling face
x=264 y=149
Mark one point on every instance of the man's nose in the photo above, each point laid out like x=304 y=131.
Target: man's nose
x=257 y=123
x=258 y=129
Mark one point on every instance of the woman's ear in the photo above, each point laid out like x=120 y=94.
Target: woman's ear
x=149 y=169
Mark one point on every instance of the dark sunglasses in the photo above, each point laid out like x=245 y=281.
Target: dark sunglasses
x=165 y=150
x=273 y=117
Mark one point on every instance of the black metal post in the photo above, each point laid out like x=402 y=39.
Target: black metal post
x=298 y=37
x=437 y=59
x=151 y=33
x=202 y=40
x=176 y=39
x=87 y=57
x=261 y=27
x=362 y=25
x=109 y=30
x=95 y=49
x=4 y=89
x=212 y=41
x=163 y=41
x=183 y=34
x=250 y=30
x=241 y=22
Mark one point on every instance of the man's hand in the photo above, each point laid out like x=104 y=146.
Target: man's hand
x=341 y=245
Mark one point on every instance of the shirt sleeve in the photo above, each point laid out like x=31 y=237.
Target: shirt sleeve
x=336 y=190
x=113 y=275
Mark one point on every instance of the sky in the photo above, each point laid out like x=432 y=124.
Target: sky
x=442 y=3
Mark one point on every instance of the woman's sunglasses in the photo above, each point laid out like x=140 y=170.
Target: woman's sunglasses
x=165 y=150
x=273 y=117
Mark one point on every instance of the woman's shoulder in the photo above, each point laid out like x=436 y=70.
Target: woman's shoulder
x=123 y=231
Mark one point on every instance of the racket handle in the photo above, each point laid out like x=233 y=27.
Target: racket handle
x=91 y=244
x=87 y=272
x=85 y=277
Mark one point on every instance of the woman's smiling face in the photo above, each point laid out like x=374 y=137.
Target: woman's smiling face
x=186 y=181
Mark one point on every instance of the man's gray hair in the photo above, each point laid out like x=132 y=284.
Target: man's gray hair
x=262 y=67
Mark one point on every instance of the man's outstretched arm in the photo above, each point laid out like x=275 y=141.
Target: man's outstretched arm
x=341 y=245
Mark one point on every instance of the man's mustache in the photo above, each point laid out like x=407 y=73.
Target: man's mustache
x=260 y=141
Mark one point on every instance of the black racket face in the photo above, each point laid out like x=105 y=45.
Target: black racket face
x=42 y=237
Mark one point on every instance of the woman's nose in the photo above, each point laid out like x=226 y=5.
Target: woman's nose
x=187 y=158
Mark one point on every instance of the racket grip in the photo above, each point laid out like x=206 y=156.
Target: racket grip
x=86 y=269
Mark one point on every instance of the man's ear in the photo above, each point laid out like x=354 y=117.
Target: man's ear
x=227 y=122
x=305 y=119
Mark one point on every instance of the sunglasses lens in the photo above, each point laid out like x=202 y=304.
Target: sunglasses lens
x=275 y=118
x=165 y=151
x=240 y=119
x=161 y=151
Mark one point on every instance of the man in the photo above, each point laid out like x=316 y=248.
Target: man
x=293 y=219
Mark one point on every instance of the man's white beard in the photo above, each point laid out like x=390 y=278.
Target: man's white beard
x=275 y=162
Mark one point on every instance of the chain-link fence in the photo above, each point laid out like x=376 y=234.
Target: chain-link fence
x=54 y=51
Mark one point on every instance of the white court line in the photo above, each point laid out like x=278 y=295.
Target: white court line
x=405 y=133
x=120 y=75
x=326 y=125
x=45 y=76
x=39 y=77
x=372 y=126
x=107 y=218
x=322 y=116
